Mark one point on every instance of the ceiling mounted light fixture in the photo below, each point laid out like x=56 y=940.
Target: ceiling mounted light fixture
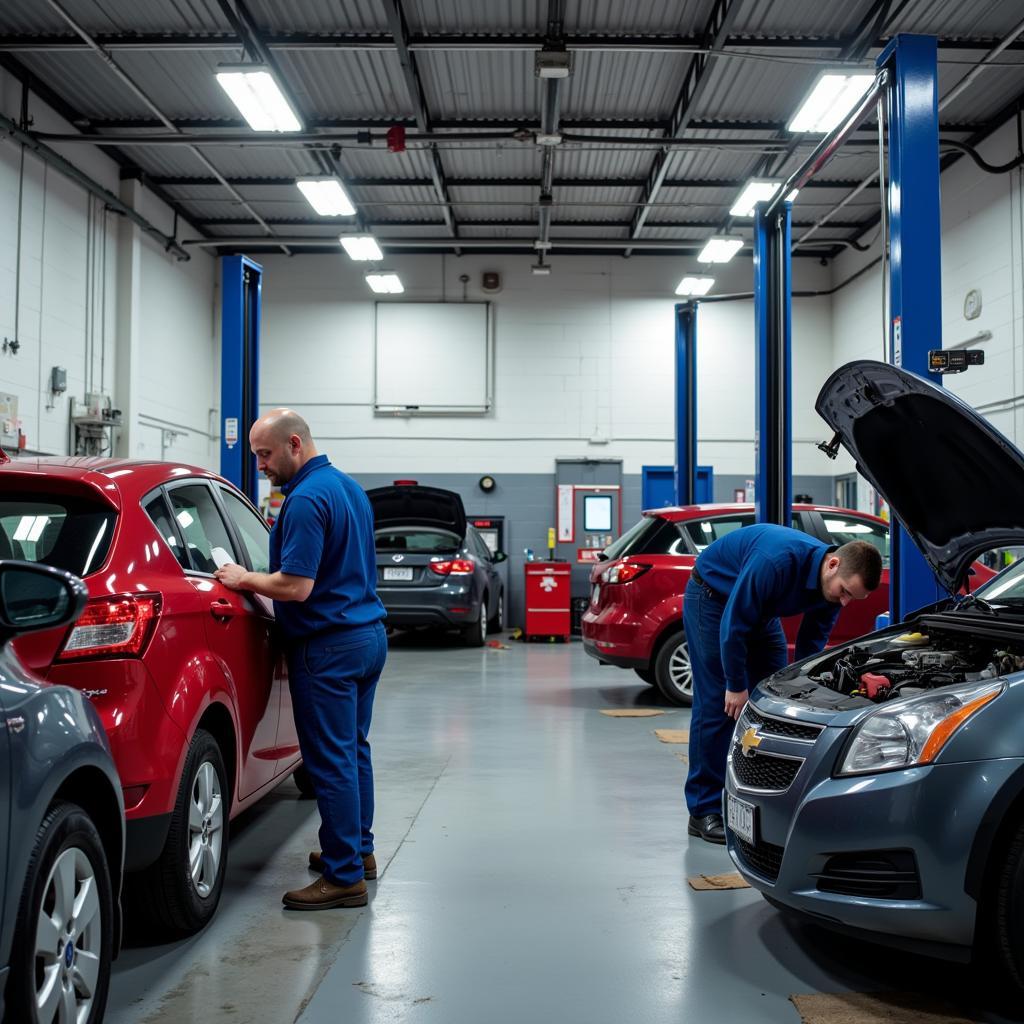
x=755 y=192
x=255 y=92
x=552 y=63
x=385 y=282
x=720 y=250
x=361 y=247
x=327 y=196
x=694 y=286
x=834 y=95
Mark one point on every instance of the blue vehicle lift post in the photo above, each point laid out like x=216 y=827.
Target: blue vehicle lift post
x=241 y=295
x=686 y=403
x=915 y=323
x=773 y=488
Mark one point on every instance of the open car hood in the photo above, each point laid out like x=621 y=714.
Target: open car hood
x=953 y=481
x=413 y=505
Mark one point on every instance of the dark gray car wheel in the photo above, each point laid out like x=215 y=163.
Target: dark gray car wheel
x=63 y=945
x=1007 y=910
x=647 y=675
x=497 y=623
x=474 y=634
x=673 y=673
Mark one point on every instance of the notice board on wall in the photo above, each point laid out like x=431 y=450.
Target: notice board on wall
x=433 y=358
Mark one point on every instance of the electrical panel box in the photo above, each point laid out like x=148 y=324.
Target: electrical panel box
x=10 y=425
x=58 y=380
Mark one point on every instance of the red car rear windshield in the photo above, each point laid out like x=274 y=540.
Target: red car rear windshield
x=59 y=530
x=651 y=536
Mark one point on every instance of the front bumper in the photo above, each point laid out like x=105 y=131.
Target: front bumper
x=924 y=818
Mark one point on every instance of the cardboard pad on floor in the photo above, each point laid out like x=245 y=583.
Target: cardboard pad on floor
x=631 y=712
x=875 y=1008
x=673 y=735
x=732 y=880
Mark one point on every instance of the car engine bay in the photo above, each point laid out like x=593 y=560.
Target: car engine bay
x=913 y=663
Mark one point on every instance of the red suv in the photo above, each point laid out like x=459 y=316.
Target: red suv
x=185 y=674
x=635 y=616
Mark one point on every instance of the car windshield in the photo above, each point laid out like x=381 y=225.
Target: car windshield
x=62 y=531
x=417 y=540
x=1007 y=586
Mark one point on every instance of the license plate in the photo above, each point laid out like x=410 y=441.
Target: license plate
x=404 y=573
x=740 y=817
x=596 y=595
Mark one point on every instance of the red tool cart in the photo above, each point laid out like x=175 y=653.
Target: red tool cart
x=547 y=599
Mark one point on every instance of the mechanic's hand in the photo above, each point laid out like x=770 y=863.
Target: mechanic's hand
x=231 y=575
x=734 y=702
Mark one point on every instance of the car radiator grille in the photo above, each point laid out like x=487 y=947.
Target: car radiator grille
x=762 y=858
x=779 y=727
x=764 y=771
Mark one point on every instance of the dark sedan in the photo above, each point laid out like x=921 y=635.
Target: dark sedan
x=433 y=568
x=61 y=821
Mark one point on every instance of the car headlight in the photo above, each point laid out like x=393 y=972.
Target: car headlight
x=913 y=731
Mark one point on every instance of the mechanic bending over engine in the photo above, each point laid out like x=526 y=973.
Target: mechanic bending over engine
x=740 y=587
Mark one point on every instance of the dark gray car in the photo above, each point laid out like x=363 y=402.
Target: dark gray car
x=433 y=568
x=879 y=787
x=61 y=822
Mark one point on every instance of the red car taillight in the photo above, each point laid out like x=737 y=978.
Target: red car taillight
x=623 y=572
x=113 y=627
x=454 y=567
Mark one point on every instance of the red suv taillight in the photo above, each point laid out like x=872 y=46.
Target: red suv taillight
x=113 y=627
x=454 y=567
x=623 y=572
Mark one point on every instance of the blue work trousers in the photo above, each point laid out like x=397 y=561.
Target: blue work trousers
x=332 y=677
x=711 y=728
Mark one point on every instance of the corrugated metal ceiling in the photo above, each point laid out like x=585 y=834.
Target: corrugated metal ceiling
x=615 y=99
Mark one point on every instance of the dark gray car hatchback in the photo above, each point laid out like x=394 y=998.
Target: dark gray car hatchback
x=61 y=822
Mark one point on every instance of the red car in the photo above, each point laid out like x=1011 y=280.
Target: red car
x=635 y=616
x=185 y=674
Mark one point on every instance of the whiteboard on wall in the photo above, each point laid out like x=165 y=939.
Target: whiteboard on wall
x=432 y=358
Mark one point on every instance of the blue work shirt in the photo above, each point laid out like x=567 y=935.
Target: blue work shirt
x=763 y=572
x=325 y=533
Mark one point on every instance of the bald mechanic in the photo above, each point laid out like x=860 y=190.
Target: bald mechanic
x=323 y=581
x=740 y=587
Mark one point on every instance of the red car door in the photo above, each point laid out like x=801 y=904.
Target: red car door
x=255 y=538
x=238 y=632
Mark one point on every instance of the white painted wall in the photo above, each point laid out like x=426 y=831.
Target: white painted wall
x=982 y=247
x=66 y=313
x=584 y=363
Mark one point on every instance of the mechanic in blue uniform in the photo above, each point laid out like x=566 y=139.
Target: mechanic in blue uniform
x=740 y=586
x=323 y=581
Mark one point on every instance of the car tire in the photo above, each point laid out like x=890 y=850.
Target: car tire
x=474 y=634
x=182 y=889
x=647 y=675
x=304 y=782
x=497 y=623
x=68 y=867
x=1007 y=907
x=672 y=672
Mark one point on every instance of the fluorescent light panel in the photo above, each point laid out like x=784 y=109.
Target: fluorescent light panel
x=831 y=99
x=362 y=247
x=259 y=99
x=755 y=192
x=326 y=196
x=695 y=286
x=385 y=282
x=720 y=250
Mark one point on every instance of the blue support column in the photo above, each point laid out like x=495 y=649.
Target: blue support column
x=686 y=403
x=915 y=266
x=773 y=437
x=241 y=292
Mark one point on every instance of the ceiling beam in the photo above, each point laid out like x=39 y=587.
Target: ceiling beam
x=694 y=83
x=504 y=223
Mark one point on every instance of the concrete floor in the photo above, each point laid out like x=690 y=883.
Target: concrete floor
x=534 y=858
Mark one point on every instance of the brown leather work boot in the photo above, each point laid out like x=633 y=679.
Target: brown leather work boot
x=323 y=895
x=316 y=863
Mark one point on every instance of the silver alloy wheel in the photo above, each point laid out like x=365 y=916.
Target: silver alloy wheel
x=69 y=941
x=205 y=829
x=680 y=671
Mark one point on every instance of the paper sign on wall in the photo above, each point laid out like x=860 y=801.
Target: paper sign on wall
x=565 y=513
x=231 y=431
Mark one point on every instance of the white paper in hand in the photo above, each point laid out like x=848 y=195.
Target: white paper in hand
x=222 y=558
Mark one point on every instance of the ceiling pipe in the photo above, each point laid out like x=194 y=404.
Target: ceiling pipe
x=971 y=75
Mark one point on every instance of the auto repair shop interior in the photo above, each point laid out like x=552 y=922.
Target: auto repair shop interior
x=573 y=290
